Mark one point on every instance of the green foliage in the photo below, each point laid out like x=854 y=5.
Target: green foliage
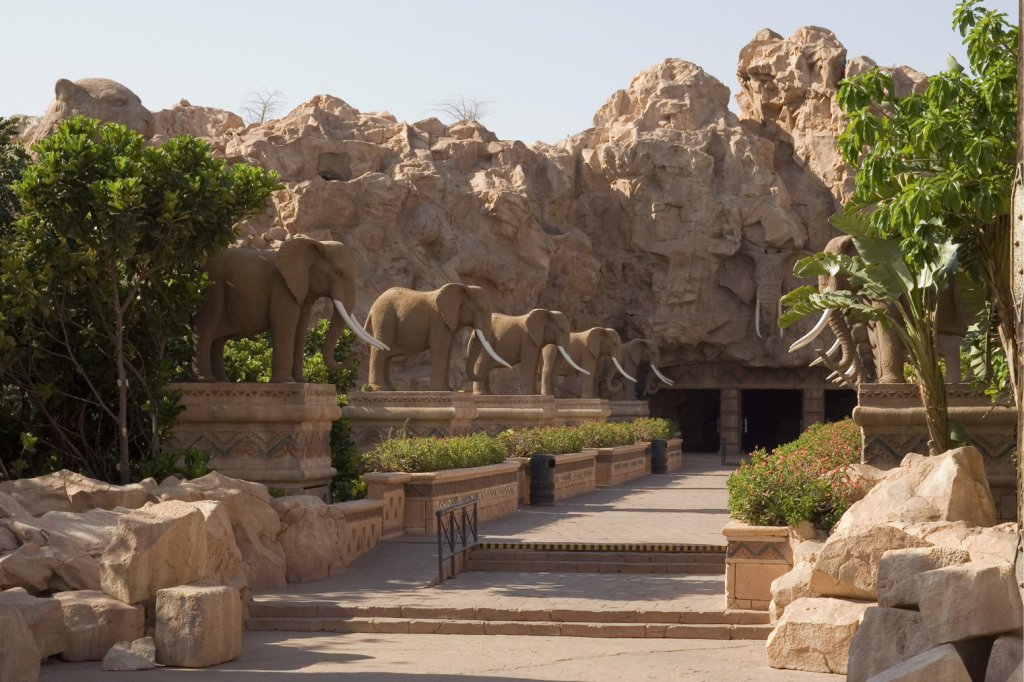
x=435 y=454
x=276 y=492
x=805 y=480
x=101 y=275
x=187 y=464
x=647 y=429
x=603 y=435
x=550 y=440
x=13 y=162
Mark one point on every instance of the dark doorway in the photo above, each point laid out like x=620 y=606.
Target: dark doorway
x=839 y=405
x=696 y=411
x=770 y=418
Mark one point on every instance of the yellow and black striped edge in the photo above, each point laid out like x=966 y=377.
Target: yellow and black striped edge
x=603 y=547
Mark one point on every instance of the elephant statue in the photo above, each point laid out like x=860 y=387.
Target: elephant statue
x=952 y=321
x=519 y=340
x=411 y=322
x=585 y=348
x=638 y=356
x=253 y=291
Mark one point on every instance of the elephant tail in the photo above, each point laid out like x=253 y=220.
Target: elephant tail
x=476 y=367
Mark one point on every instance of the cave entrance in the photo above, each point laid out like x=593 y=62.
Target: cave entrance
x=696 y=411
x=770 y=418
x=839 y=405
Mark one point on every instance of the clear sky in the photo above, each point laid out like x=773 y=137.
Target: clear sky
x=547 y=65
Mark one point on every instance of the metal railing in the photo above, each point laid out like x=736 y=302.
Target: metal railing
x=455 y=523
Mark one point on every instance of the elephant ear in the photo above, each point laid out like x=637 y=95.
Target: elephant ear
x=535 y=321
x=449 y=299
x=592 y=340
x=294 y=260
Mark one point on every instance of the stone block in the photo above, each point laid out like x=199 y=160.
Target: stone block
x=814 y=635
x=153 y=548
x=886 y=637
x=942 y=663
x=792 y=586
x=137 y=655
x=198 y=625
x=968 y=601
x=847 y=565
x=313 y=537
x=807 y=552
x=1007 y=654
x=19 y=659
x=29 y=567
x=95 y=622
x=223 y=560
x=898 y=570
x=67 y=491
x=44 y=618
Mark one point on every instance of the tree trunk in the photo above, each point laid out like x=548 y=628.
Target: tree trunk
x=122 y=399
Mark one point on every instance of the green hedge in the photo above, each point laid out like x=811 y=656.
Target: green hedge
x=647 y=429
x=805 y=480
x=435 y=454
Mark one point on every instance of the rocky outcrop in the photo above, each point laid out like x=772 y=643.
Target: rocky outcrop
x=43 y=617
x=137 y=655
x=215 y=126
x=66 y=491
x=898 y=570
x=969 y=601
x=19 y=659
x=814 y=635
x=885 y=638
x=96 y=622
x=313 y=536
x=848 y=563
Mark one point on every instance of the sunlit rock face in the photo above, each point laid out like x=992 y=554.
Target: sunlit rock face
x=100 y=98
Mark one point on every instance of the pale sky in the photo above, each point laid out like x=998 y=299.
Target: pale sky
x=546 y=65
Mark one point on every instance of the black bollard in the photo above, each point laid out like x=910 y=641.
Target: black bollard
x=659 y=456
x=542 y=480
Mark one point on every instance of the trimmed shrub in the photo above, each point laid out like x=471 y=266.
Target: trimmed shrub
x=602 y=435
x=417 y=455
x=804 y=480
x=549 y=440
x=647 y=429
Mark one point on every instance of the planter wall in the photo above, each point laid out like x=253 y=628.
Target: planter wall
x=675 y=453
x=364 y=527
x=756 y=556
x=575 y=474
x=627 y=410
x=496 y=486
x=391 y=489
x=621 y=464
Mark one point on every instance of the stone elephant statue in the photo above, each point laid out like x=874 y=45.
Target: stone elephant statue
x=585 y=348
x=253 y=291
x=638 y=356
x=412 y=322
x=870 y=353
x=519 y=340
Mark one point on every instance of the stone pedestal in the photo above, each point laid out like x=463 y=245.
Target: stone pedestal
x=756 y=556
x=575 y=411
x=377 y=415
x=275 y=434
x=628 y=410
x=891 y=418
x=497 y=413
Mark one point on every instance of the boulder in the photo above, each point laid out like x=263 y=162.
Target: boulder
x=137 y=655
x=254 y=522
x=153 y=548
x=223 y=559
x=998 y=543
x=96 y=622
x=8 y=543
x=30 y=566
x=1007 y=654
x=19 y=659
x=948 y=487
x=968 y=601
x=11 y=508
x=807 y=553
x=898 y=569
x=40 y=494
x=313 y=537
x=44 y=618
x=198 y=625
x=941 y=663
x=814 y=635
x=789 y=587
x=886 y=637
x=863 y=478
x=847 y=565
x=66 y=491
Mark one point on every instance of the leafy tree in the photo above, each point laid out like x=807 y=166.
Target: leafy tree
x=13 y=161
x=99 y=282
x=937 y=167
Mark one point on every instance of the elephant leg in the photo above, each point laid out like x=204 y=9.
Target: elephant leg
x=379 y=361
x=299 y=347
x=548 y=369
x=440 y=357
x=949 y=349
x=202 y=349
x=528 y=370
x=587 y=381
x=282 y=339
x=217 y=359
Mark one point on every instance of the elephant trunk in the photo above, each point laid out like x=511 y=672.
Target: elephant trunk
x=331 y=341
x=474 y=362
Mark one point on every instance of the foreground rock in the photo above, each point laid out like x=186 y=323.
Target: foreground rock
x=198 y=626
x=998 y=543
x=313 y=537
x=814 y=635
x=942 y=663
x=886 y=637
x=1005 y=659
x=898 y=570
x=96 y=622
x=788 y=588
x=153 y=548
x=29 y=567
x=19 y=659
x=137 y=655
x=66 y=491
x=969 y=601
x=44 y=618
x=223 y=560
x=847 y=565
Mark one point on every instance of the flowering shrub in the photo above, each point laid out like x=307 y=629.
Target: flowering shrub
x=647 y=429
x=800 y=481
x=434 y=454
x=550 y=440
x=602 y=435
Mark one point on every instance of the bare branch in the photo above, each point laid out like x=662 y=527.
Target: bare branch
x=461 y=108
x=261 y=105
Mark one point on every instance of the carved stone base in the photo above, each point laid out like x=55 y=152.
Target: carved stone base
x=497 y=413
x=275 y=434
x=756 y=556
x=377 y=415
x=892 y=423
x=628 y=410
x=575 y=411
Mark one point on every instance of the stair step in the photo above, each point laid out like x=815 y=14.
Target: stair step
x=289 y=610
x=526 y=565
x=616 y=557
x=439 y=626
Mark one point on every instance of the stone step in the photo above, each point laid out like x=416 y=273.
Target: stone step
x=614 y=557
x=287 y=610
x=525 y=564
x=438 y=626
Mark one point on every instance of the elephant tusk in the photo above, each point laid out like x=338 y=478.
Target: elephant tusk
x=778 y=316
x=661 y=376
x=813 y=334
x=358 y=329
x=487 y=347
x=821 y=361
x=622 y=371
x=569 y=360
x=835 y=346
x=757 y=318
x=833 y=376
x=817 y=361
